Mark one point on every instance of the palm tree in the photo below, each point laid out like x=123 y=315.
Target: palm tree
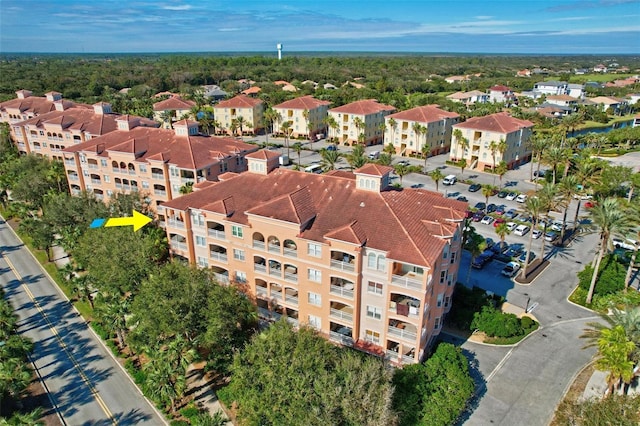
x=356 y=157
x=417 y=129
x=401 y=170
x=502 y=232
x=587 y=172
x=357 y=121
x=627 y=278
x=286 y=129
x=216 y=125
x=609 y=217
x=330 y=159
x=233 y=127
x=437 y=176
x=83 y=289
x=241 y=122
x=501 y=170
x=554 y=156
x=502 y=148
x=187 y=188
x=537 y=144
x=308 y=125
x=383 y=128
x=160 y=381
x=628 y=318
x=567 y=189
x=462 y=163
x=270 y=116
x=457 y=134
x=488 y=191
x=297 y=147
x=167 y=117
x=333 y=125
x=534 y=207
x=614 y=349
x=493 y=147
x=425 y=154
x=393 y=125
x=476 y=244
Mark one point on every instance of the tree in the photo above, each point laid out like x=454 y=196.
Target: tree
x=614 y=349
x=425 y=150
x=548 y=196
x=418 y=129
x=356 y=158
x=162 y=383
x=488 y=191
x=587 y=173
x=286 y=129
x=436 y=175
x=383 y=128
x=537 y=144
x=270 y=116
x=554 y=156
x=187 y=188
x=567 y=189
x=534 y=207
x=462 y=163
x=330 y=159
x=401 y=170
x=493 y=148
x=502 y=231
x=501 y=170
x=632 y=263
x=167 y=117
x=393 y=125
x=475 y=244
x=240 y=121
x=609 y=218
x=332 y=124
x=357 y=121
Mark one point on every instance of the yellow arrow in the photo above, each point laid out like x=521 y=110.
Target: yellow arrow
x=138 y=220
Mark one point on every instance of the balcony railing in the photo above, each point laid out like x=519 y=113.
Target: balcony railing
x=185 y=180
x=157 y=176
x=292 y=321
x=93 y=166
x=275 y=272
x=73 y=177
x=219 y=235
x=392 y=356
x=406 y=281
x=176 y=223
x=95 y=181
x=258 y=245
x=341 y=291
x=132 y=172
x=221 y=278
x=261 y=291
x=290 y=252
x=402 y=333
x=346 y=316
x=274 y=248
x=68 y=162
x=406 y=359
x=291 y=299
x=159 y=192
x=216 y=255
x=291 y=277
x=343 y=266
x=340 y=338
x=178 y=245
x=258 y=267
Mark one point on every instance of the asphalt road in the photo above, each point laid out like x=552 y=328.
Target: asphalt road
x=85 y=382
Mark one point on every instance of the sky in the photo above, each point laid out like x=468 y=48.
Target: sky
x=459 y=26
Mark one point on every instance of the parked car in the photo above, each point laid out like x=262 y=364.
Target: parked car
x=403 y=162
x=498 y=221
x=462 y=198
x=556 y=225
x=491 y=208
x=501 y=209
x=511 y=214
x=521 y=198
x=525 y=217
x=550 y=236
x=502 y=194
x=626 y=244
x=475 y=187
x=523 y=257
x=468 y=214
x=332 y=148
x=539 y=173
x=510 y=269
x=417 y=185
x=489 y=243
x=514 y=250
x=480 y=206
x=521 y=230
x=449 y=180
x=487 y=220
x=477 y=216
x=589 y=204
x=500 y=247
x=511 y=226
x=511 y=196
x=481 y=260
x=536 y=234
x=375 y=155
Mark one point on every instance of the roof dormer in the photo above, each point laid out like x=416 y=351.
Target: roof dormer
x=53 y=96
x=262 y=162
x=373 y=177
x=185 y=128
x=127 y=122
x=23 y=94
x=101 y=108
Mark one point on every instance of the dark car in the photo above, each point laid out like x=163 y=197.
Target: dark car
x=502 y=194
x=477 y=216
x=489 y=242
x=539 y=173
x=514 y=250
x=500 y=247
x=481 y=260
x=501 y=209
x=475 y=187
x=491 y=208
x=480 y=206
x=462 y=198
x=523 y=257
x=468 y=214
x=332 y=148
x=511 y=214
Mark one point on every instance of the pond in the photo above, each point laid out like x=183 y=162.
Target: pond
x=618 y=125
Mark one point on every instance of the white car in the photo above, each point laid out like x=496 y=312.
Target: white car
x=521 y=230
x=556 y=226
x=511 y=196
x=522 y=198
x=624 y=244
x=487 y=220
x=510 y=269
x=511 y=226
x=536 y=233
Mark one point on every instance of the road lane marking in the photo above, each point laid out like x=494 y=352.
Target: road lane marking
x=54 y=331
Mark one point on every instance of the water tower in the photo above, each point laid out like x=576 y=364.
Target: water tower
x=279 y=47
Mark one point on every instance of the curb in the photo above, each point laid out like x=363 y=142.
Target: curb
x=106 y=348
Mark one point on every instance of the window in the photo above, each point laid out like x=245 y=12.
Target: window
x=440 y=297
x=202 y=262
x=374 y=312
x=372 y=336
x=238 y=254
x=241 y=277
x=446 y=301
x=314 y=250
x=143 y=168
x=371 y=260
x=315 y=322
x=145 y=184
x=174 y=172
x=375 y=288
x=376 y=262
x=436 y=323
x=201 y=241
x=445 y=252
x=315 y=275
x=443 y=276
x=197 y=218
x=109 y=192
x=314 y=299
x=236 y=231
x=103 y=162
x=453 y=257
x=106 y=178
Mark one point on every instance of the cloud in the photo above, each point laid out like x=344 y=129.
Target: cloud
x=589 y=4
x=177 y=7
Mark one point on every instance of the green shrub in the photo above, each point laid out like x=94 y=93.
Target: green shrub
x=526 y=323
x=190 y=411
x=100 y=331
x=610 y=278
x=497 y=324
x=179 y=423
x=466 y=301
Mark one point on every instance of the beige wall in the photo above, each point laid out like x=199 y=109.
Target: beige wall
x=300 y=123
x=348 y=132
x=251 y=116
x=404 y=140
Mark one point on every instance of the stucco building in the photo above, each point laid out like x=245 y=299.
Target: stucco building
x=241 y=108
x=306 y=114
x=367 y=265
x=363 y=117
x=172 y=109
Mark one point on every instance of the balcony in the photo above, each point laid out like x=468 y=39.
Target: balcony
x=291 y=277
x=93 y=165
x=293 y=300
x=290 y=252
x=273 y=248
x=214 y=233
x=410 y=281
x=159 y=176
x=261 y=291
x=132 y=172
x=186 y=180
x=343 y=291
x=176 y=223
x=73 y=177
x=178 y=245
x=343 y=266
x=340 y=338
x=342 y=315
x=95 y=181
x=258 y=245
x=292 y=321
x=259 y=267
x=402 y=333
x=221 y=278
x=219 y=256
x=69 y=162
x=158 y=192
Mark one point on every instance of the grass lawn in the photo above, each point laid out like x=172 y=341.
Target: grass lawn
x=595 y=124
x=598 y=77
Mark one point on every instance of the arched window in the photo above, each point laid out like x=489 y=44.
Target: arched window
x=371 y=260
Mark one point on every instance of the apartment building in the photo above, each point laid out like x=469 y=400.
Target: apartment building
x=156 y=162
x=469 y=98
x=483 y=133
x=69 y=124
x=367 y=265
x=306 y=115
x=409 y=131
x=364 y=117
x=172 y=109
x=240 y=109
x=26 y=106
x=501 y=94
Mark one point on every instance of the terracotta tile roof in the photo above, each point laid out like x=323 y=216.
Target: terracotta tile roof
x=500 y=123
x=173 y=103
x=407 y=224
x=239 y=101
x=252 y=90
x=33 y=104
x=374 y=169
x=561 y=98
x=303 y=102
x=364 y=107
x=499 y=88
x=263 y=154
x=341 y=173
x=281 y=83
x=189 y=152
x=424 y=114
